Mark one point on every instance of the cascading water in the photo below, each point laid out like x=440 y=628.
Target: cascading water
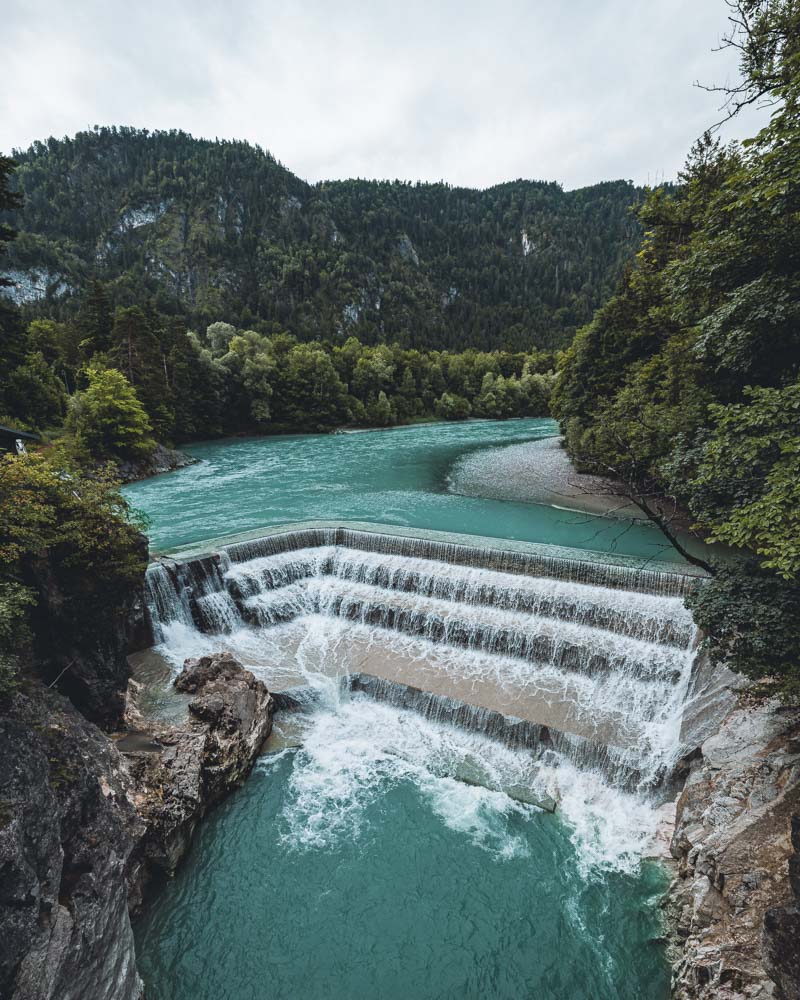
x=582 y=667
x=437 y=690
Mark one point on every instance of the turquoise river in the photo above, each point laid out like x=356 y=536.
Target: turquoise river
x=356 y=866
x=408 y=476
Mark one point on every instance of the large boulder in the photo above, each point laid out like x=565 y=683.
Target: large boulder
x=200 y=762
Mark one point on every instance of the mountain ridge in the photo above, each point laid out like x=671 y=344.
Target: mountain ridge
x=220 y=230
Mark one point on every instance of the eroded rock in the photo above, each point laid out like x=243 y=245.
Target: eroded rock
x=68 y=830
x=731 y=904
x=230 y=717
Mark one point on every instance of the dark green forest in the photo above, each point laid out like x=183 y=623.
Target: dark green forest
x=206 y=231
x=685 y=385
x=118 y=379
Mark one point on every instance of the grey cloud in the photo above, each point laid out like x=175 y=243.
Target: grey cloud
x=474 y=92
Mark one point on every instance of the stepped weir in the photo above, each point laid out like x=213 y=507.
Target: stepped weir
x=567 y=659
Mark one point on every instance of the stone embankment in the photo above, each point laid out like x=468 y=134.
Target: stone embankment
x=88 y=822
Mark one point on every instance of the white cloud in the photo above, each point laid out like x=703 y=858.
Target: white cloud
x=474 y=92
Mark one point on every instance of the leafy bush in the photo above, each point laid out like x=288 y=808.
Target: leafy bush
x=73 y=527
x=752 y=621
x=449 y=406
x=15 y=599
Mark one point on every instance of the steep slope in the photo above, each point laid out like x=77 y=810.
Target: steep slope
x=220 y=230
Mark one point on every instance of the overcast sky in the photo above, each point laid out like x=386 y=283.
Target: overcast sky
x=470 y=91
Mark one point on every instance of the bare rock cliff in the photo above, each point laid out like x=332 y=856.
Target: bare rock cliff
x=734 y=901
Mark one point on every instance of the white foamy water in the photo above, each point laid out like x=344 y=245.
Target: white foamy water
x=351 y=754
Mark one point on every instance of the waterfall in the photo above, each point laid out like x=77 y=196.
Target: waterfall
x=572 y=661
x=190 y=593
x=527 y=562
x=517 y=734
x=167 y=600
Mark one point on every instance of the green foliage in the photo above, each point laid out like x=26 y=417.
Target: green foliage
x=752 y=618
x=51 y=510
x=139 y=352
x=15 y=636
x=9 y=200
x=380 y=412
x=108 y=419
x=746 y=488
x=34 y=394
x=252 y=368
x=183 y=387
x=310 y=395
x=449 y=406
x=685 y=384
x=219 y=231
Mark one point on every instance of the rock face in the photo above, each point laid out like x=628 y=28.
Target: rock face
x=86 y=823
x=782 y=930
x=734 y=911
x=67 y=833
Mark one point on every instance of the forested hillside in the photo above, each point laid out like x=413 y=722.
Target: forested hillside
x=685 y=385
x=208 y=231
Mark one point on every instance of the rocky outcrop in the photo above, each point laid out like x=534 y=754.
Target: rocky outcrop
x=161 y=460
x=86 y=822
x=733 y=907
x=782 y=930
x=196 y=765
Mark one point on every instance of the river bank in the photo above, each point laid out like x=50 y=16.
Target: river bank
x=539 y=472
x=733 y=906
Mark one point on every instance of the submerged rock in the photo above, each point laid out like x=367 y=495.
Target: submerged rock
x=86 y=822
x=734 y=908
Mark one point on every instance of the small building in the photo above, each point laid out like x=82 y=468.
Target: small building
x=9 y=438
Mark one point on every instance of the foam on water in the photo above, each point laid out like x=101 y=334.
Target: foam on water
x=352 y=753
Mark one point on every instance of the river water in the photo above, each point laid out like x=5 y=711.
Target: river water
x=382 y=858
x=407 y=476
